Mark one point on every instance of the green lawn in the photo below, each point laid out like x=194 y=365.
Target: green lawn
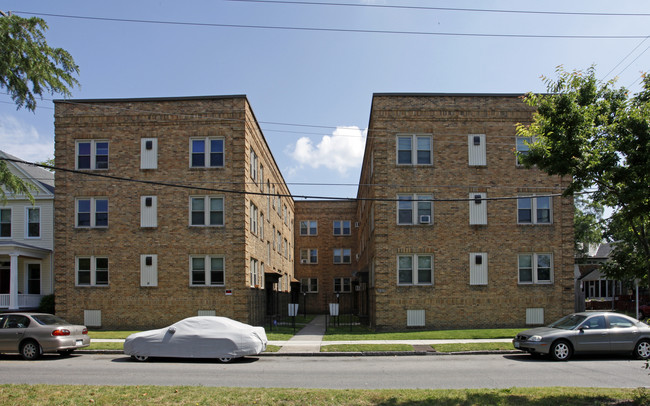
x=365 y=347
x=11 y=395
x=343 y=333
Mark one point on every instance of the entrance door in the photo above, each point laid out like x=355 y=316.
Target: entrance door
x=4 y=277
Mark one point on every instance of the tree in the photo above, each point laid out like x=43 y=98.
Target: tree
x=28 y=68
x=587 y=227
x=600 y=136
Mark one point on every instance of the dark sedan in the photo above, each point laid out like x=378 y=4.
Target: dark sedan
x=587 y=332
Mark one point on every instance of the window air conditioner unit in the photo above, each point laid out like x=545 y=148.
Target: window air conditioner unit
x=425 y=219
x=303 y=261
x=357 y=256
x=356 y=224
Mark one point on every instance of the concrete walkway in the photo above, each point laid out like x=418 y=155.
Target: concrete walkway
x=308 y=339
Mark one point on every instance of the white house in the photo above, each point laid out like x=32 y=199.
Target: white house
x=27 y=239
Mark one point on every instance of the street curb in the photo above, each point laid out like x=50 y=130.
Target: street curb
x=344 y=354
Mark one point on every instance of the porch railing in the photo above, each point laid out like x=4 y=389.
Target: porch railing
x=24 y=301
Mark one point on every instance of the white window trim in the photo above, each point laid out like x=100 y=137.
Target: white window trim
x=206 y=211
x=93 y=271
x=208 y=276
x=415 y=213
x=208 y=151
x=342 y=227
x=93 y=212
x=342 y=256
x=414 y=149
x=309 y=290
x=254 y=218
x=254 y=165
x=308 y=233
x=343 y=285
x=414 y=270
x=40 y=223
x=11 y=223
x=535 y=280
x=93 y=155
x=533 y=208
x=254 y=273
x=307 y=256
x=27 y=264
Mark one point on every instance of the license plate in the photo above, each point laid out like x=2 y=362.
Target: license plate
x=516 y=344
x=79 y=343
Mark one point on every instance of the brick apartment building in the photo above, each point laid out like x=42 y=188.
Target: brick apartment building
x=447 y=230
x=139 y=255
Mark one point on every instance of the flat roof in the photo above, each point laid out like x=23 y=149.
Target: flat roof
x=149 y=99
x=451 y=94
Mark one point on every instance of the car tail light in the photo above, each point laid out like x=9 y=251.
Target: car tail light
x=84 y=331
x=61 y=332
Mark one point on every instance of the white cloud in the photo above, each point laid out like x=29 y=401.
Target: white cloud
x=23 y=140
x=341 y=151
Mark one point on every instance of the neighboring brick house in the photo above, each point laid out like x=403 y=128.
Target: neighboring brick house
x=139 y=255
x=26 y=239
x=456 y=259
x=326 y=249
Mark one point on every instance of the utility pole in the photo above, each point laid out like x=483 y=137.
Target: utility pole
x=7 y=14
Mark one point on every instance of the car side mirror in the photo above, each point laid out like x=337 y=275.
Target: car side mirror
x=171 y=330
x=584 y=327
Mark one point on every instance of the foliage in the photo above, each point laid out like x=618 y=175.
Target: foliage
x=587 y=227
x=47 y=304
x=29 y=66
x=600 y=136
x=49 y=162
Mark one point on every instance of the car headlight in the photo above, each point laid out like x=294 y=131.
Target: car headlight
x=535 y=338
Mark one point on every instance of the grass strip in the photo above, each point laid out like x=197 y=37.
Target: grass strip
x=473 y=347
x=344 y=333
x=185 y=395
x=365 y=347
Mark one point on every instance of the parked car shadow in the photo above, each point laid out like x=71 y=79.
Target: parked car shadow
x=525 y=357
x=43 y=357
x=170 y=360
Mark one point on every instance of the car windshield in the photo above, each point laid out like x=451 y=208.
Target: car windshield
x=568 y=322
x=48 y=319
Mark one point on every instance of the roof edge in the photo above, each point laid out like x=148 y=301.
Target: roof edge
x=149 y=99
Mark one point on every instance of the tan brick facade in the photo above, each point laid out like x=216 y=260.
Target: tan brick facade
x=452 y=300
x=173 y=242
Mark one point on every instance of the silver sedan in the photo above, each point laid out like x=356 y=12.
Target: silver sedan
x=587 y=332
x=32 y=334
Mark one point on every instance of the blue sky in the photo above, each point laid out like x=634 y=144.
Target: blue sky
x=320 y=82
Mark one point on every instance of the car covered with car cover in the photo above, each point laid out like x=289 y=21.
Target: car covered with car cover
x=587 y=333
x=198 y=337
x=32 y=334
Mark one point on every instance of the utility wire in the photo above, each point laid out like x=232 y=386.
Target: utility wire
x=474 y=10
x=243 y=192
x=325 y=29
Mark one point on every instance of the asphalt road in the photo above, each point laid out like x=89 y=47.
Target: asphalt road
x=381 y=372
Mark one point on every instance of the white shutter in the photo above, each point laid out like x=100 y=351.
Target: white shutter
x=478 y=268
x=477 y=209
x=148 y=270
x=148 y=211
x=93 y=318
x=535 y=315
x=148 y=153
x=476 y=149
x=415 y=318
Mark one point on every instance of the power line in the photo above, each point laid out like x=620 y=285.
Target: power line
x=243 y=192
x=473 y=10
x=344 y=30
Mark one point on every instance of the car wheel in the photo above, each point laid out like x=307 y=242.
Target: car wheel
x=65 y=353
x=225 y=359
x=30 y=350
x=140 y=358
x=561 y=351
x=642 y=349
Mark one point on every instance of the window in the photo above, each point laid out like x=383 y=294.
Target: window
x=534 y=210
x=206 y=211
x=254 y=163
x=414 y=150
x=261 y=226
x=279 y=240
x=92 y=271
x=522 y=147
x=476 y=149
x=206 y=152
x=342 y=255
x=33 y=222
x=309 y=285
x=92 y=154
x=309 y=256
x=308 y=227
x=285 y=214
x=535 y=268
x=285 y=248
x=342 y=285
x=415 y=209
x=92 y=212
x=5 y=223
x=253 y=219
x=254 y=273
x=342 y=227
x=207 y=270
x=415 y=270
x=34 y=279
